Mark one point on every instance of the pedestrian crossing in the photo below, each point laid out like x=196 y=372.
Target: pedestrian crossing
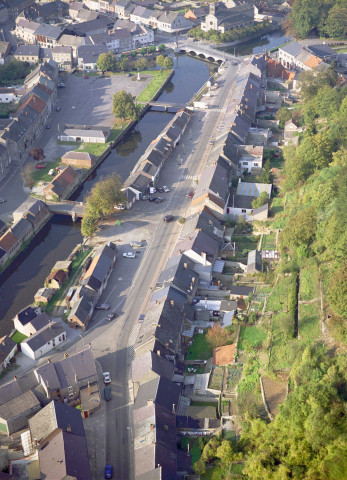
x=189 y=177
x=131 y=342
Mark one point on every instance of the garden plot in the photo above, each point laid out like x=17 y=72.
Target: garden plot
x=309 y=322
x=269 y=242
x=275 y=393
x=309 y=283
x=251 y=337
x=216 y=378
x=233 y=375
x=244 y=243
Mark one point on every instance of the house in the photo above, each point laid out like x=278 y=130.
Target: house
x=28 y=53
x=48 y=35
x=258 y=136
x=26 y=29
x=8 y=349
x=137 y=183
x=5 y=49
x=66 y=379
x=254 y=263
x=88 y=55
x=72 y=454
x=33 y=210
x=223 y=19
x=73 y=42
x=56 y=279
x=250 y=158
x=82 y=310
x=275 y=69
x=24 y=317
x=149 y=366
x=197 y=15
x=291 y=132
x=46 y=12
x=62 y=184
x=101 y=24
x=43 y=295
x=34 y=325
x=63 y=56
x=85 y=133
x=173 y=22
x=179 y=272
x=8 y=95
x=100 y=269
x=224 y=355
x=79 y=159
x=130 y=198
x=15 y=410
x=206 y=222
x=44 y=340
x=75 y=9
x=240 y=203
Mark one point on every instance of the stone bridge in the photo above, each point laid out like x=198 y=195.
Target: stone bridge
x=204 y=52
x=66 y=207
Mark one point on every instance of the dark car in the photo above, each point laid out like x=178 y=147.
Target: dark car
x=168 y=218
x=108 y=471
x=191 y=194
x=159 y=200
x=107 y=393
x=160 y=189
x=141 y=318
x=48 y=126
x=152 y=199
x=58 y=108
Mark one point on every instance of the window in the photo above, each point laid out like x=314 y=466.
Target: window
x=244 y=163
x=244 y=211
x=70 y=396
x=70 y=389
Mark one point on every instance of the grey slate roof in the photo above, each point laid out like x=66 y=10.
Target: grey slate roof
x=49 y=31
x=90 y=53
x=179 y=270
x=45 y=335
x=81 y=308
x=202 y=221
x=292 y=48
x=40 y=321
x=29 y=50
x=151 y=362
x=56 y=415
x=18 y=405
x=6 y=347
x=254 y=262
x=161 y=391
x=26 y=315
x=199 y=242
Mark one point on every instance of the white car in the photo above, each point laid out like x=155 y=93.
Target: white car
x=107 y=377
x=51 y=172
x=129 y=255
x=166 y=190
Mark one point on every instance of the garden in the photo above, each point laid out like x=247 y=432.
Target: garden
x=200 y=348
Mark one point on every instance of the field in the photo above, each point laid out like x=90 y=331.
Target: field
x=159 y=77
x=199 y=349
x=251 y=336
x=275 y=393
x=309 y=283
x=41 y=175
x=278 y=300
x=309 y=323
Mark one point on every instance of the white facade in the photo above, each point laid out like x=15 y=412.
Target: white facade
x=25 y=329
x=92 y=4
x=8 y=97
x=43 y=348
x=248 y=163
x=143 y=39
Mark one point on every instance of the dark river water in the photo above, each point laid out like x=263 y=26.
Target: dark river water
x=58 y=238
x=259 y=45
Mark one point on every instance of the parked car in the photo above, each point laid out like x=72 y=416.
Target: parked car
x=191 y=194
x=51 y=172
x=160 y=189
x=159 y=200
x=141 y=318
x=166 y=190
x=108 y=472
x=136 y=244
x=2 y=200
x=212 y=141
x=61 y=85
x=168 y=218
x=40 y=166
x=111 y=316
x=48 y=126
x=145 y=197
x=129 y=255
x=120 y=207
x=107 y=393
x=103 y=306
x=107 y=377
x=152 y=199
x=58 y=108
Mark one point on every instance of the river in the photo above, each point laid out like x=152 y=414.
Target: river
x=259 y=45
x=58 y=238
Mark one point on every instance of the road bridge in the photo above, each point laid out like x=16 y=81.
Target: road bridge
x=203 y=51
x=67 y=207
x=167 y=105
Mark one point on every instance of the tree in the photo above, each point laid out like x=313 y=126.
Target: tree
x=161 y=47
x=266 y=175
x=160 y=61
x=261 y=200
x=37 y=154
x=124 y=106
x=151 y=49
x=336 y=22
x=27 y=174
x=133 y=53
x=225 y=452
x=107 y=62
x=300 y=229
x=141 y=64
x=199 y=467
x=217 y=336
x=168 y=63
x=100 y=203
x=143 y=51
x=283 y=114
x=123 y=64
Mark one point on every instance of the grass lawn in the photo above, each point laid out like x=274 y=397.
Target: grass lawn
x=269 y=241
x=204 y=404
x=309 y=325
x=199 y=349
x=76 y=265
x=18 y=337
x=278 y=300
x=194 y=448
x=93 y=148
x=215 y=473
x=42 y=175
x=117 y=128
x=309 y=282
x=159 y=77
x=229 y=435
x=252 y=336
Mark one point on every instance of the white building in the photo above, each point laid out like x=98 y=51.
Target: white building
x=25 y=29
x=44 y=340
x=8 y=95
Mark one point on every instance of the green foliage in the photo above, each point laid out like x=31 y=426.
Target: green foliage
x=250 y=376
x=336 y=22
x=307 y=438
x=161 y=47
x=199 y=466
x=124 y=105
x=107 y=62
x=283 y=115
x=235 y=34
x=160 y=61
x=100 y=203
x=18 y=337
x=225 y=452
x=327 y=16
x=124 y=63
x=261 y=200
x=337 y=292
x=151 y=49
x=141 y=64
x=13 y=71
x=168 y=63
x=251 y=337
x=300 y=229
x=143 y=51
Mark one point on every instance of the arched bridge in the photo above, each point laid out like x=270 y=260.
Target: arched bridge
x=204 y=52
x=66 y=207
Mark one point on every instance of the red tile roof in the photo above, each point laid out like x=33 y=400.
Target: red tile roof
x=35 y=102
x=8 y=240
x=276 y=70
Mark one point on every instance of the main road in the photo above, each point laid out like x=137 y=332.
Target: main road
x=119 y=430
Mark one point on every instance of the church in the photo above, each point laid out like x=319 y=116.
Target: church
x=227 y=16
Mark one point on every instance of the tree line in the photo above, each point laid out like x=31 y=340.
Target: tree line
x=230 y=36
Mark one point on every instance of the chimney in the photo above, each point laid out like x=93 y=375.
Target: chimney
x=156 y=302
x=185 y=265
x=66 y=355
x=203 y=254
x=68 y=428
x=15 y=377
x=173 y=408
x=151 y=427
x=172 y=303
x=149 y=403
x=239 y=179
x=180 y=252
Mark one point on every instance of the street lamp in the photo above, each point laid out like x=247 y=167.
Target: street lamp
x=82 y=339
x=131 y=433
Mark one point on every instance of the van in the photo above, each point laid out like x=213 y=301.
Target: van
x=103 y=306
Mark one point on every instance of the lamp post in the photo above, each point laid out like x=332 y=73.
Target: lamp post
x=131 y=433
x=82 y=339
